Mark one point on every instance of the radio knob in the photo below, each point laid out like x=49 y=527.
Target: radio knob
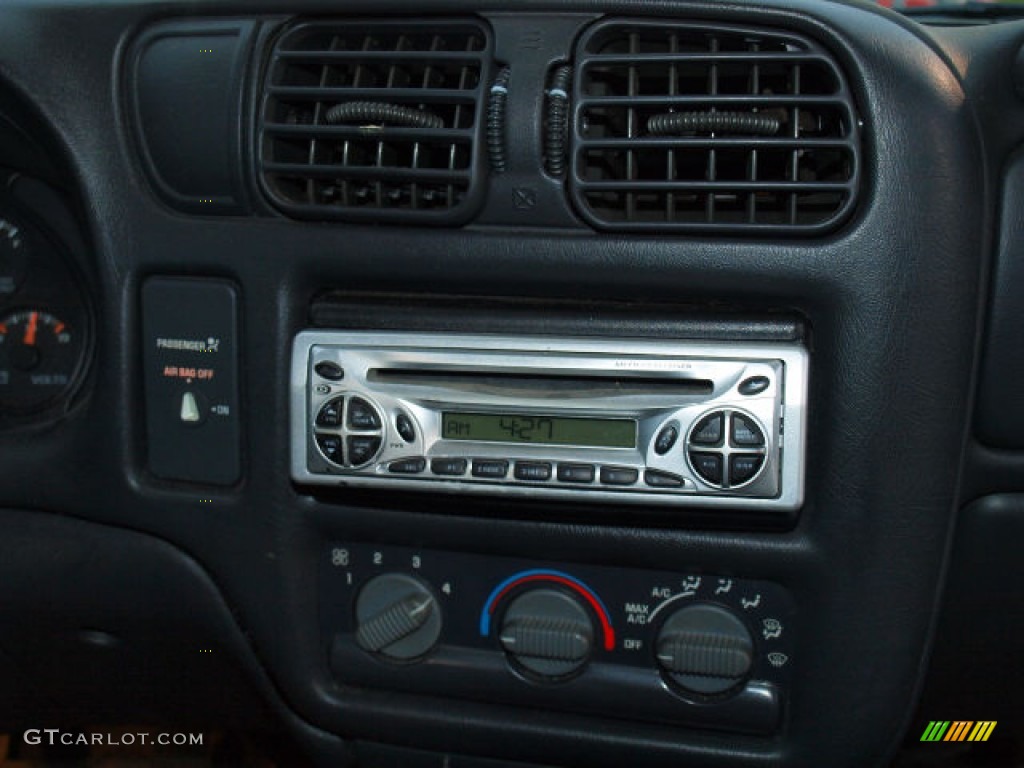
x=547 y=633
x=398 y=617
x=705 y=648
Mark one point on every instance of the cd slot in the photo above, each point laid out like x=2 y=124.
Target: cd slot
x=548 y=384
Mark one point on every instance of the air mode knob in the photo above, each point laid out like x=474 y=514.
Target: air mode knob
x=547 y=632
x=705 y=648
x=397 y=616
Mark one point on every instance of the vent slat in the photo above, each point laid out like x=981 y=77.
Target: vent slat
x=444 y=135
x=767 y=134
x=358 y=93
x=751 y=57
x=368 y=172
x=705 y=142
x=405 y=150
x=717 y=187
x=383 y=57
x=769 y=100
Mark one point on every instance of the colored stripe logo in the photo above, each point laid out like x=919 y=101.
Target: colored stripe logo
x=958 y=730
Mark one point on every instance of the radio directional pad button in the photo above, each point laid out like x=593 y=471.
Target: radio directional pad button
x=709 y=430
x=708 y=466
x=330 y=413
x=533 y=470
x=492 y=468
x=743 y=466
x=361 y=415
x=666 y=439
x=657 y=479
x=727 y=448
x=362 y=448
x=330 y=446
x=448 y=466
x=576 y=473
x=744 y=432
x=619 y=475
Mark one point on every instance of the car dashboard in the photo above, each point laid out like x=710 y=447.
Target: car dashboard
x=496 y=384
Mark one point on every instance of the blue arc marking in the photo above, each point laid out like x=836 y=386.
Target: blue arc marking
x=485 y=614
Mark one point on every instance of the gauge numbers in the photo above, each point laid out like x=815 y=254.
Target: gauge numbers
x=38 y=358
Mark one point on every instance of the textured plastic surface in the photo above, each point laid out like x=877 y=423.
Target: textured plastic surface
x=979 y=623
x=893 y=301
x=1000 y=417
x=185 y=84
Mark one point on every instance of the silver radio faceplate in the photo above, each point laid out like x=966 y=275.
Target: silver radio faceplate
x=587 y=419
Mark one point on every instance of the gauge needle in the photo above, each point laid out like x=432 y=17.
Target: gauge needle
x=30 y=331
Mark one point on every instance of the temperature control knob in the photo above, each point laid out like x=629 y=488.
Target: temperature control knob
x=705 y=648
x=547 y=632
x=397 y=616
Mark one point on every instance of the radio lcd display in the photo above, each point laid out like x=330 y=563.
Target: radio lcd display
x=549 y=430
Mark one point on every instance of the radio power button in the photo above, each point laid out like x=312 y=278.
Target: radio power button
x=666 y=439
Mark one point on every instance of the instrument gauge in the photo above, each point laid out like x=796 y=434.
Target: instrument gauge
x=13 y=257
x=39 y=356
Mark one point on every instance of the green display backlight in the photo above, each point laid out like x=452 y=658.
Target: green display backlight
x=543 y=430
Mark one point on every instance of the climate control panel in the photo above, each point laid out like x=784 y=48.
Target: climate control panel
x=702 y=649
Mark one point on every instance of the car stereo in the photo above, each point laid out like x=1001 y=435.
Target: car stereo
x=611 y=420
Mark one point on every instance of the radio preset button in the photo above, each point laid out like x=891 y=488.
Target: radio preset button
x=361 y=415
x=745 y=432
x=666 y=439
x=619 y=475
x=330 y=446
x=709 y=430
x=405 y=429
x=330 y=413
x=362 y=448
x=493 y=468
x=658 y=479
x=755 y=385
x=448 y=466
x=533 y=470
x=743 y=467
x=708 y=466
x=408 y=466
x=576 y=473
x=325 y=369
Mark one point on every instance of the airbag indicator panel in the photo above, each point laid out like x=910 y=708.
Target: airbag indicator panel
x=190 y=337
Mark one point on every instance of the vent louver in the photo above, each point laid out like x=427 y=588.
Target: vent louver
x=695 y=128
x=375 y=121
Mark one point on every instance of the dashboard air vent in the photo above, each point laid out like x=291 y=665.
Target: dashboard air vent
x=682 y=127
x=375 y=120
